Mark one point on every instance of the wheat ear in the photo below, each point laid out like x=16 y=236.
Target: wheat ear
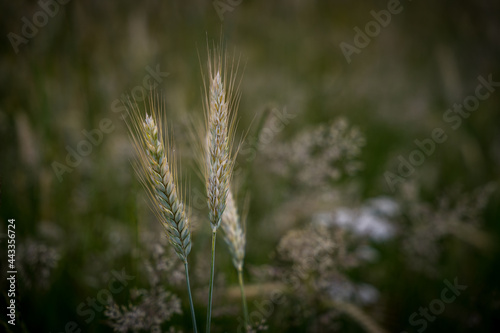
x=234 y=236
x=220 y=106
x=219 y=156
x=159 y=179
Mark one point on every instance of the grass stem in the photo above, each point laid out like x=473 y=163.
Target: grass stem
x=193 y=317
x=211 y=286
x=243 y=299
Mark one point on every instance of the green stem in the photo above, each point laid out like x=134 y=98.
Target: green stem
x=193 y=317
x=211 y=286
x=243 y=298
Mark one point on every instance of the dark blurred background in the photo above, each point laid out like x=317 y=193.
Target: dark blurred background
x=66 y=67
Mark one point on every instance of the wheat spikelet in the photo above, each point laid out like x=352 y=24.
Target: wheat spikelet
x=158 y=178
x=234 y=236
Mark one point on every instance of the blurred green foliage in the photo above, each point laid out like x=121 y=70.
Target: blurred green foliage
x=67 y=77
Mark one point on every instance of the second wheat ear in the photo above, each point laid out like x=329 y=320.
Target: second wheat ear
x=234 y=236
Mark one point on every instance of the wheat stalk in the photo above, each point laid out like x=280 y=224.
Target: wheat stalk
x=220 y=106
x=159 y=179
